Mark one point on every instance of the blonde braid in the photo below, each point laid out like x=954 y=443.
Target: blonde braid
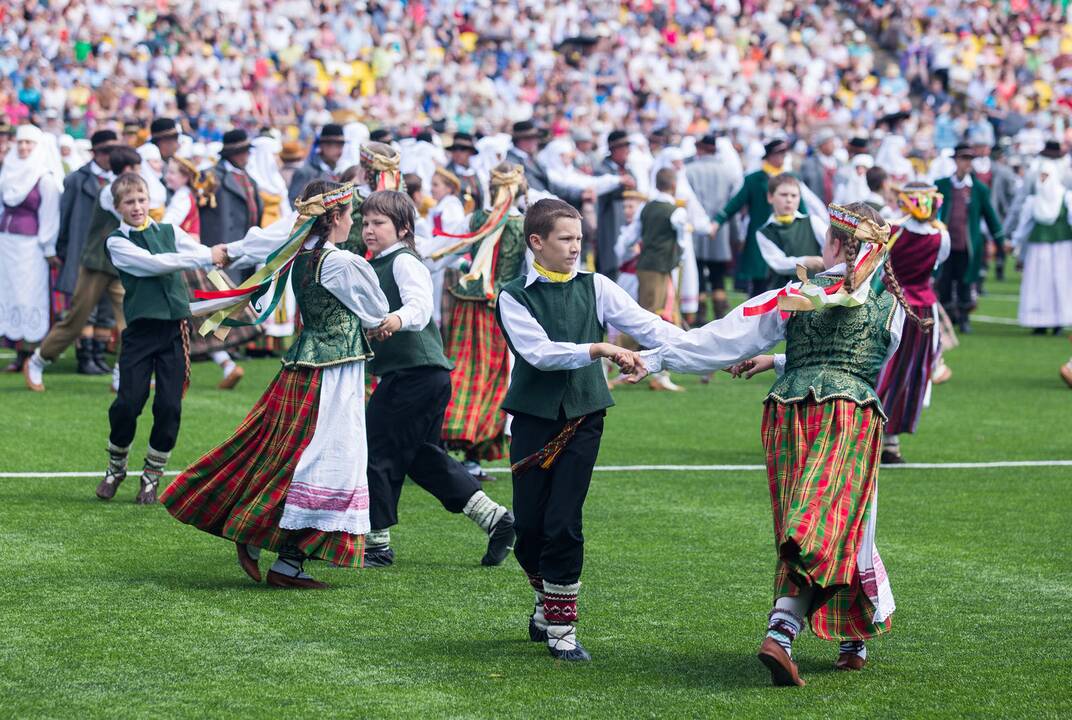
x=851 y=246
x=894 y=285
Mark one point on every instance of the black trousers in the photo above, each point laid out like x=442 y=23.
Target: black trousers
x=404 y=418
x=548 y=503
x=150 y=347
x=953 y=291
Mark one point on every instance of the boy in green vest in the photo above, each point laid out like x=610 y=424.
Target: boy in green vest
x=660 y=249
x=405 y=413
x=150 y=259
x=554 y=319
x=789 y=238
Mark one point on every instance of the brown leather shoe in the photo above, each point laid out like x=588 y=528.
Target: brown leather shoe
x=232 y=378
x=247 y=562
x=107 y=487
x=279 y=580
x=783 y=671
x=850 y=661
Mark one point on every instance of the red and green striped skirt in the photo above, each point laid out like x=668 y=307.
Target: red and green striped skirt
x=238 y=490
x=822 y=467
x=474 y=421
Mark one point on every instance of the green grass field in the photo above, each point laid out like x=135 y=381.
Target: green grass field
x=112 y=610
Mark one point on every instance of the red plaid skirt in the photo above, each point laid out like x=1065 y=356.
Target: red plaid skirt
x=474 y=421
x=822 y=464
x=238 y=490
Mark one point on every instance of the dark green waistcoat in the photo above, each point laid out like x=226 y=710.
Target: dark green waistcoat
x=163 y=297
x=566 y=311
x=659 y=251
x=837 y=352
x=796 y=239
x=404 y=349
x=95 y=252
x=331 y=334
x=1059 y=231
x=509 y=259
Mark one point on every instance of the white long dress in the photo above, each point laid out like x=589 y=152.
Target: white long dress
x=24 y=297
x=1046 y=287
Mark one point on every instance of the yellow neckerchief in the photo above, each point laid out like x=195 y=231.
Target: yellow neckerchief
x=555 y=277
x=771 y=170
x=144 y=227
x=785 y=219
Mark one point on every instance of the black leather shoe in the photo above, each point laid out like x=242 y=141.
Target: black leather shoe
x=536 y=634
x=84 y=356
x=96 y=356
x=500 y=541
x=577 y=654
x=379 y=557
x=891 y=457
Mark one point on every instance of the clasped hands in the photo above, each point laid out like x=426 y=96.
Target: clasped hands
x=219 y=256
x=390 y=325
x=628 y=361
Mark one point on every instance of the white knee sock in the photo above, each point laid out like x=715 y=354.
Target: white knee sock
x=377 y=538
x=484 y=511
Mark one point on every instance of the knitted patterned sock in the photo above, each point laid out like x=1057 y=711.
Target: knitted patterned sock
x=536 y=582
x=117 y=459
x=891 y=443
x=560 y=603
x=856 y=647
x=377 y=539
x=783 y=627
x=155 y=460
x=484 y=511
x=562 y=637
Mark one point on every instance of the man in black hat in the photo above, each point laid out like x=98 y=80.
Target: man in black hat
x=321 y=162
x=966 y=202
x=713 y=181
x=610 y=207
x=752 y=270
x=1003 y=182
x=381 y=135
x=855 y=146
x=462 y=149
x=164 y=133
x=238 y=201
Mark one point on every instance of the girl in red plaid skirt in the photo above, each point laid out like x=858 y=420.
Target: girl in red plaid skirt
x=822 y=431
x=291 y=479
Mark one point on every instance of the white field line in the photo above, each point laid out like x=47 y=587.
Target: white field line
x=993 y=320
x=664 y=468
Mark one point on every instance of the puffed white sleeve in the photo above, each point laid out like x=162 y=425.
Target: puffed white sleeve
x=529 y=340
x=352 y=280
x=178 y=207
x=721 y=343
x=139 y=262
x=944 y=247
x=260 y=242
x=415 y=287
x=614 y=306
x=48 y=215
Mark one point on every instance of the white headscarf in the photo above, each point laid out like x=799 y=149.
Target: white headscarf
x=552 y=155
x=19 y=177
x=264 y=166
x=1049 y=193
x=157 y=191
x=355 y=134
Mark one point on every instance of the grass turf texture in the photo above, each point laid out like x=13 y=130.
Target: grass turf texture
x=115 y=610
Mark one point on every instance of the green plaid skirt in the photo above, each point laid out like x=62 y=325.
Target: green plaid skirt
x=822 y=467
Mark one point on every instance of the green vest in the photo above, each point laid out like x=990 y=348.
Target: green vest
x=404 y=350
x=659 y=250
x=95 y=251
x=331 y=334
x=354 y=242
x=161 y=297
x=566 y=311
x=837 y=352
x=796 y=239
x=509 y=259
x=1059 y=231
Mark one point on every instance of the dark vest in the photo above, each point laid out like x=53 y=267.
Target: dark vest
x=22 y=219
x=837 y=352
x=659 y=251
x=797 y=239
x=1059 y=231
x=95 y=252
x=404 y=350
x=162 y=297
x=331 y=334
x=566 y=311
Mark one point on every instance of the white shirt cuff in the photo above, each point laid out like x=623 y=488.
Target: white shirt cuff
x=779 y=364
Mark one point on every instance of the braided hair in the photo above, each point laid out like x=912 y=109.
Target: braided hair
x=322 y=226
x=851 y=246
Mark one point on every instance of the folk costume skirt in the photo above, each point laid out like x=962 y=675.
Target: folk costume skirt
x=1045 y=288
x=474 y=421
x=293 y=473
x=822 y=468
x=904 y=383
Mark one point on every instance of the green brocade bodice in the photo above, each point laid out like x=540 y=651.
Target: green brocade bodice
x=510 y=257
x=331 y=334
x=1059 y=231
x=837 y=352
